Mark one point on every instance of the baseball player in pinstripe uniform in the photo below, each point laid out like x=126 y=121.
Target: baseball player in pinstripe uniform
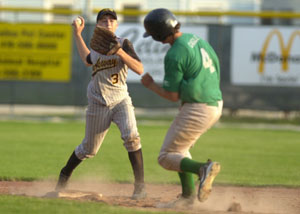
x=108 y=101
x=192 y=75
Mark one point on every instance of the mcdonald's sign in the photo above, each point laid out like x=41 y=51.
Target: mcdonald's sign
x=285 y=50
x=266 y=56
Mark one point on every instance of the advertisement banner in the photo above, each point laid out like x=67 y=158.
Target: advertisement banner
x=35 y=52
x=151 y=52
x=265 y=56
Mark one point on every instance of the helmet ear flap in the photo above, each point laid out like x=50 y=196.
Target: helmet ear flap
x=177 y=27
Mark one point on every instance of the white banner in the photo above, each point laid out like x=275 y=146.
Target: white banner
x=265 y=56
x=150 y=52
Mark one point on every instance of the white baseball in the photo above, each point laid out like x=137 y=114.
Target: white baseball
x=79 y=21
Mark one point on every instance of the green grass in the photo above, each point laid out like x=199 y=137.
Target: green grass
x=38 y=150
x=255 y=157
x=19 y=204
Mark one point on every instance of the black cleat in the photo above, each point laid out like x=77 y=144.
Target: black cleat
x=139 y=192
x=62 y=182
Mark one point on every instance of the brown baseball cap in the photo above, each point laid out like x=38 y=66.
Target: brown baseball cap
x=106 y=11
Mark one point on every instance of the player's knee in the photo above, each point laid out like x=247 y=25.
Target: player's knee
x=163 y=161
x=170 y=161
x=87 y=155
x=84 y=154
x=90 y=154
x=132 y=143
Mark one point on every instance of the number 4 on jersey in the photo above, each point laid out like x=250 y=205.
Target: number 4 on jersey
x=206 y=61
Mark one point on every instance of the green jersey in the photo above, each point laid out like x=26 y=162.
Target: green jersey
x=192 y=69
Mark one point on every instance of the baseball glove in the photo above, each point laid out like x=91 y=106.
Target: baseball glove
x=104 y=41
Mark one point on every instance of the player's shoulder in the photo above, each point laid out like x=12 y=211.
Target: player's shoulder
x=180 y=46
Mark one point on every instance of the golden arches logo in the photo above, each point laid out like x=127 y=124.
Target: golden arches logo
x=285 y=50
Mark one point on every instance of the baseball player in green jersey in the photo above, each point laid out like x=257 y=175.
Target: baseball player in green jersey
x=108 y=101
x=192 y=75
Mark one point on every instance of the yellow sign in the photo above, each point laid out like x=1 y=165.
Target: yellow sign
x=285 y=50
x=35 y=52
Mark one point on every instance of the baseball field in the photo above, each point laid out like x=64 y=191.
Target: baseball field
x=260 y=169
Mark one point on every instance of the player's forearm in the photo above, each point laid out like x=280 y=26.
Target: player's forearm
x=82 y=48
x=172 y=96
x=132 y=63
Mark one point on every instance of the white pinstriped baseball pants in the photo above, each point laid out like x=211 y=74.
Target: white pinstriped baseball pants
x=98 y=121
x=192 y=121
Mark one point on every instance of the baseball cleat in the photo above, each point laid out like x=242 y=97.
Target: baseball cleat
x=207 y=174
x=62 y=182
x=139 y=192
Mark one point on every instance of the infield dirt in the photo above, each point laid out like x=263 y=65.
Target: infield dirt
x=223 y=199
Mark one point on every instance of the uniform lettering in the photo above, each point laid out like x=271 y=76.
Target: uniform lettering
x=193 y=41
x=104 y=64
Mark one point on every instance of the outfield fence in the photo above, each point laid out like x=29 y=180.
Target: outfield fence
x=39 y=63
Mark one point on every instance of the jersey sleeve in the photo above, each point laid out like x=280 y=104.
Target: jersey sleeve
x=173 y=74
x=94 y=56
x=88 y=59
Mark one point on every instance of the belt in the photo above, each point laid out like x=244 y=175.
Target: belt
x=215 y=103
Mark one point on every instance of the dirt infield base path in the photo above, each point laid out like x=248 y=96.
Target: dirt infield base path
x=223 y=199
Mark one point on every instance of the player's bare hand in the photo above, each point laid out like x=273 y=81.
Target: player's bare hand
x=147 y=80
x=78 y=25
